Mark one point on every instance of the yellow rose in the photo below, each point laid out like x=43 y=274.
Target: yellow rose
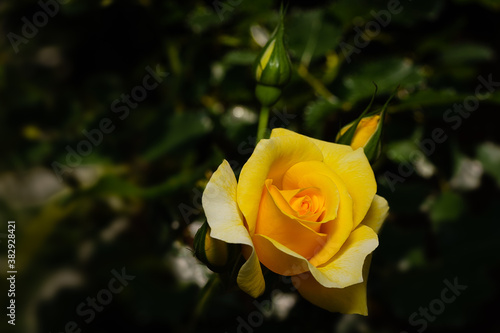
x=303 y=208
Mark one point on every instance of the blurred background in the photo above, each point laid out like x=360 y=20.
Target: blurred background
x=113 y=115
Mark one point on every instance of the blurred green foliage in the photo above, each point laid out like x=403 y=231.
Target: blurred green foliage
x=134 y=200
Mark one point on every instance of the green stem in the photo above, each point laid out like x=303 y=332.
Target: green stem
x=316 y=84
x=205 y=296
x=263 y=120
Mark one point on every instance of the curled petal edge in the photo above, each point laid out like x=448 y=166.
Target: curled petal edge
x=227 y=224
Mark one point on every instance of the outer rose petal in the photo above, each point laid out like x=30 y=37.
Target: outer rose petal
x=270 y=160
x=278 y=258
x=226 y=222
x=343 y=270
x=376 y=214
x=344 y=300
x=351 y=299
x=353 y=168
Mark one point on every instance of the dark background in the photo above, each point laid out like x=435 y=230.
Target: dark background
x=134 y=201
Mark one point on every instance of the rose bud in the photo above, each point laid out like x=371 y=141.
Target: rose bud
x=366 y=135
x=273 y=68
x=214 y=253
x=366 y=131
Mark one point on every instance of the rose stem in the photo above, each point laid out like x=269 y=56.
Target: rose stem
x=263 y=119
x=205 y=296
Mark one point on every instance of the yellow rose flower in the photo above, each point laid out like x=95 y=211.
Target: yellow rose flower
x=304 y=208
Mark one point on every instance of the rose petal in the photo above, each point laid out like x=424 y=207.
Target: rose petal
x=348 y=300
x=376 y=214
x=272 y=223
x=226 y=223
x=270 y=160
x=345 y=268
x=357 y=174
x=366 y=128
x=282 y=200
x=278 y=258
x=319 y=175
x=338 y=204
x=352 y=167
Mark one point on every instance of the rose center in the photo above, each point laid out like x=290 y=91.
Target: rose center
x=304 y=204
x=301 y=205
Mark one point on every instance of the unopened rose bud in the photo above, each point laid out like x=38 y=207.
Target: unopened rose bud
x=365 y=132
x=214 y=253
x=273 y=68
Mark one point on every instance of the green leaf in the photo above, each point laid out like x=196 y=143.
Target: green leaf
x=310 y=35
x=347 y=10
x=386 y=73
x=428 y=98
x=182 y=128
x=41 y=226
x=465 y=53
x=448 y=206
x=202 y=18
x=113 y=185
x=317 y=112
x=239 y=57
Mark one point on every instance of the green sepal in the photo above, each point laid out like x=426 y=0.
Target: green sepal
x=374 y=146
x=226 y=253
x=267 y=95
x=346 y=138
